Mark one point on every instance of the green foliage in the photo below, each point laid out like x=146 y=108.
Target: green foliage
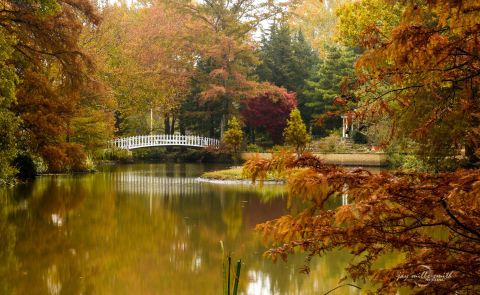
x=359 y=138
x=332 y=78
x=120 y=155
x=8 y=121
x=253 y=148
x=276 y=148
x=233 y=137
x=408 y=162
x=295 y=133
x=333 y=143
x=287 y=60
x=8 y=127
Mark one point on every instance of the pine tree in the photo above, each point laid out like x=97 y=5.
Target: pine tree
x=333 y=72
x=305 y=59
x=296 y=132
x=277 y=58
x=286 y=58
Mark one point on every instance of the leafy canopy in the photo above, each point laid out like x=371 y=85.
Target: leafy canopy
x=269 y=110
x=420 y=69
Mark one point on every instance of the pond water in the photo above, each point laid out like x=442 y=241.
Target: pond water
x=146 y=229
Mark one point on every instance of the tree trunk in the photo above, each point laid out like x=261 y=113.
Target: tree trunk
x=166 y=121
x=211 y=127
x=181 y=124
x=470 y=154
x=224 y=120
x=252 y=135
x=172 y=126
x=222 y=125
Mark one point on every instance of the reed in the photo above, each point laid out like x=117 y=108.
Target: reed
x=226 y=273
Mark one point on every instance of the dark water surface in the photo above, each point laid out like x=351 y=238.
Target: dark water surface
x=146 y=229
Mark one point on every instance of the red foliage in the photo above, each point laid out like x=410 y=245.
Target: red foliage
x=270 y=110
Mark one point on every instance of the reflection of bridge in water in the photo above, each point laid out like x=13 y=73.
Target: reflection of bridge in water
x=141 y=183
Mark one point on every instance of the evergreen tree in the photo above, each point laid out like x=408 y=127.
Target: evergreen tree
x=296 y=132
x=305 y=58
x=277 y=58
x=286 y=58
x=333 y=72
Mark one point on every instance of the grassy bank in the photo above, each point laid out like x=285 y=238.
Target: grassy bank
x=234 y=173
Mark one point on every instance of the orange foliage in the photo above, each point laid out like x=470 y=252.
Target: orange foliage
x=433 y=219
x=64 y=157
x=425 y=74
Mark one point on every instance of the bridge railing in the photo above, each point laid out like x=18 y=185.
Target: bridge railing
x=134 y=142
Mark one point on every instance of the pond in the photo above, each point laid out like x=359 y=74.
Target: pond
x=146 y=229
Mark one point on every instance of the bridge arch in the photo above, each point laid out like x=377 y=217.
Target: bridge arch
x=142 y=141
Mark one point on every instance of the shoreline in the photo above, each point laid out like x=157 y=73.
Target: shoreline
x=237 y=181
x=341 y=159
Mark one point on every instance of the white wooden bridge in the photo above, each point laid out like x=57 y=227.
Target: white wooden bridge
x=142 y=141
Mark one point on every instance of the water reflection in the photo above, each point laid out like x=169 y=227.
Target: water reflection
x=145 y=229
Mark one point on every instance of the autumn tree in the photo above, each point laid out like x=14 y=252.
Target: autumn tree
x=317 y=20
x=287 y=60
x=8 y=120
x=420 y=69
x=233 y=136
x=429 y=219
x=295 y=133
x=269 y=110
x=147 y=55
x=228 y=50
x=53 y=72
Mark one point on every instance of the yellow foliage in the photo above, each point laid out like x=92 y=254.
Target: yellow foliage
x=309 y=185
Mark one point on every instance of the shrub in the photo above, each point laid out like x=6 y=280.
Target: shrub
x=117 y=154
x=359 y=138
x=296 y=133
x=55 y=157
x=65 y=157
x=253 y=148
x=76 y=157
x=25 y=166
x=217 y=154
x=233 y=137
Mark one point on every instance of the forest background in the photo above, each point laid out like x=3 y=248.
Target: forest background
x=76 y=74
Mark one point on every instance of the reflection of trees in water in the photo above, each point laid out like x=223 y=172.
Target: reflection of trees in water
x=8 y=261
x=48 y=253
x=113 y=242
